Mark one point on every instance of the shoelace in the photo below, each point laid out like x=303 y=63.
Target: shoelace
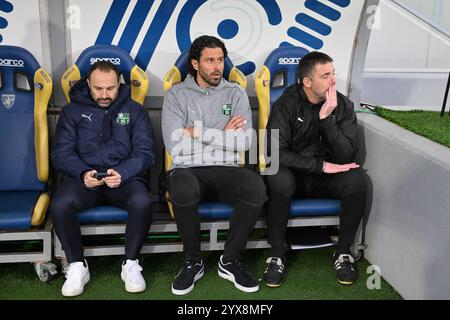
x=75 y=273
x=241 y=270
x=344 y=261
x=134 y=272
x=272 y=266
x=188 y=266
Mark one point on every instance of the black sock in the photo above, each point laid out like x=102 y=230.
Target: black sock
x=278 y=251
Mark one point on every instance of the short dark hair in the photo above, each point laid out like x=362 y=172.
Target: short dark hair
x=308 y=63
x=106 y=66
x=197 y=47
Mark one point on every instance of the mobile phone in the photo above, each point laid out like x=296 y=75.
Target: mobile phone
x=100 y=175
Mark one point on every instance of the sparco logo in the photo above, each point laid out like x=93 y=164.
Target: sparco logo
x=115 y=61
x=11 y=63
x=289 y=60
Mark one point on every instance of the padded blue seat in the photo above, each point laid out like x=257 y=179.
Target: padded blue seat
x=139 y=83
x=16 y=208
x=215 y=210
x=299 y=208
x=102 y=214
x=278 y=72
x=25 y=90
x=132 y=74
x=314 y=207
x=179 y=71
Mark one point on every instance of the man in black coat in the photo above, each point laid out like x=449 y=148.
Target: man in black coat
x=317 y=147
x=103 y=147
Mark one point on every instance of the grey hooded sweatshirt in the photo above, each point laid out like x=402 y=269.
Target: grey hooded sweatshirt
x=208 y=109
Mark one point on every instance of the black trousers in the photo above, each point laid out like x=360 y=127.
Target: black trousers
x=350 y=187
x=242 y=188
x=72 y=197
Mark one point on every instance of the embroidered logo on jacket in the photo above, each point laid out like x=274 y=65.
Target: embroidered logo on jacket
x=226 y=109
x=123 y=118
x=87 y=116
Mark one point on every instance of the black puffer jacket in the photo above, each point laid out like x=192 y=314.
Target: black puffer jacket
x=305 y=140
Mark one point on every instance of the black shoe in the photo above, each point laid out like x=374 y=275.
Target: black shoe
x=234 y=271
x=345 y=270
x=274 y=272
x=186 y=278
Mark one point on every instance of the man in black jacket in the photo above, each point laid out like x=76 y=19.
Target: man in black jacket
x=317 y=147
x=103 y=147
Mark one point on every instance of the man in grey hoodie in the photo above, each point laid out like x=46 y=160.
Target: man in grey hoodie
x=207 y=124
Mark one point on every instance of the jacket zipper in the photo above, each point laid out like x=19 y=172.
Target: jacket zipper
x=105 y=127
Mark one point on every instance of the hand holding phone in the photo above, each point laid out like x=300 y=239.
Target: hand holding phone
x=100 y=175
x=114 y=179
x=91 y=179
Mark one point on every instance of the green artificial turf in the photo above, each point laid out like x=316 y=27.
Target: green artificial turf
x=428 y=124
x=310 y=276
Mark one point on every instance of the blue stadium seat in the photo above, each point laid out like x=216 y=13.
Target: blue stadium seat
x=278 y=72
x=207 y=210
x=25 y=90
x=132 y=75
x=179 y=71
x=131 y=72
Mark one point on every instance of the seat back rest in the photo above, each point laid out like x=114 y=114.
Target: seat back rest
x=278 y=72
x=177 y=74
x=179 y=71
x=25 y=90
x=132 y=74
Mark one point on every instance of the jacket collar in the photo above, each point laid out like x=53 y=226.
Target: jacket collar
x=304 y=98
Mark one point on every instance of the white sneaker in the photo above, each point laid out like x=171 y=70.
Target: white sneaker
x=131 y=275
x=77 y=276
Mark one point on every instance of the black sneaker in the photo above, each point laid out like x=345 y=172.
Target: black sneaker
x=234 y=271
x=274 y=272
x=345 y=271
x=186 y=278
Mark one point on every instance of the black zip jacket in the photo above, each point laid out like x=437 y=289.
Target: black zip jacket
x=305 y=141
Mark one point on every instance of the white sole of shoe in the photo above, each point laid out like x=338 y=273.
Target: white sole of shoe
x=229 y=276
x=75 y=293
x=134 y=289
x=271 y=285
x=197 y=277
x=347 y=283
